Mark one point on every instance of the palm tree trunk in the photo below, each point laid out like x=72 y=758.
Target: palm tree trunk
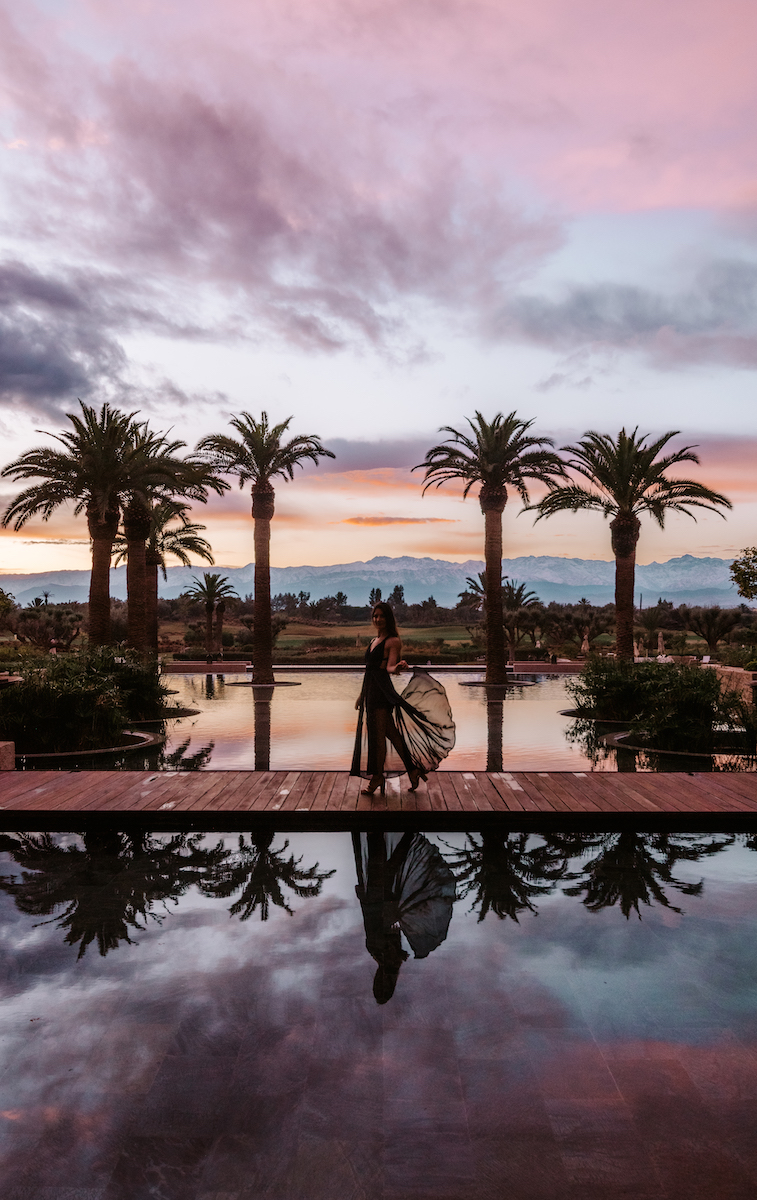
x=624 y=531
x=152 y=562
x=220 y=610
x=494 y=728
x=262 y=636
x=137 y=530
x=492 y=502
x=103 y=534
x=263 y=697
x=209 y=630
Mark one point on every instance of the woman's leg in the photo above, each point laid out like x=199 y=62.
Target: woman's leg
x=395 y=737
x=379 y=721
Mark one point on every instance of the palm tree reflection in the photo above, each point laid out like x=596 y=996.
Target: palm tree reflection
x=179 y=760
x=404 y=887
x=262 y=697
x=506 y=872
x=260 y=874
x=494 y=728
x=109 y=886
x=630 y=868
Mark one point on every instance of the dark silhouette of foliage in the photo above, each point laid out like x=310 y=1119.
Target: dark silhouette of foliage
x=506 y=873
x=630 y=868
x=260 y=875
x=107 y=887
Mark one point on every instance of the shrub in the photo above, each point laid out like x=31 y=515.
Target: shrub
x=79 y=702
x=681 y=710
x=672 y=707
x=612 y=689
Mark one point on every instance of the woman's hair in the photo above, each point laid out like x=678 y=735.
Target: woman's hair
x=391 y=624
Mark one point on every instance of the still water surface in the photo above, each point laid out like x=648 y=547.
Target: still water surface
x=447 y=1017
x=313 y=725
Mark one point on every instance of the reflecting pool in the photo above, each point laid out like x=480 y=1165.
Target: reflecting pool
x=312 y=724
x=378 y=1015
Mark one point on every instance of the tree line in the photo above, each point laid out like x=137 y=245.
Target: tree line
x=135 y=487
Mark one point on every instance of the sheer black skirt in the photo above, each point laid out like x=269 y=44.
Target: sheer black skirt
x=416 y=724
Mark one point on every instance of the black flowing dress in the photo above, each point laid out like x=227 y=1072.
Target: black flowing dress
x=419 y=719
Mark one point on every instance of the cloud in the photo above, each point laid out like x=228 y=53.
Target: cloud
x=398 y=521
x=59 y=338
x=364 y=455
x=307 y=216
x=715 y=319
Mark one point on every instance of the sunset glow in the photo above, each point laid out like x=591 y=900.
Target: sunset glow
x=379 y=218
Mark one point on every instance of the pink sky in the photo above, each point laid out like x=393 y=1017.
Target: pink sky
x=379 y=217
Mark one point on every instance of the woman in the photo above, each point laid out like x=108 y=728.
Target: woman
x=411 y=732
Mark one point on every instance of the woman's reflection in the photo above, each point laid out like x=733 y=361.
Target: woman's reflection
x=404 y=887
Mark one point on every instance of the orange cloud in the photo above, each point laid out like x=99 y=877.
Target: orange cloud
x=398 y=521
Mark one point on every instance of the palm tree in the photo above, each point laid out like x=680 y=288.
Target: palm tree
x=505 y=873
x=94 y=471
x=633 y=868
x=499 y=455
x=102 y=890
x=178 y=540
x=628 y=477
x=211 y=590
x=258 y=456
x=712 y=624
x=162 y=476
x=258 y=873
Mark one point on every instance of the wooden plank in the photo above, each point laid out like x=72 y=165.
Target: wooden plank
x=84 y=791
x=310 y=791
x=616 y=796
x=558 y=790
x=714 y=797
x=435 y=794
x=519 y=792
x=297 y=792
x=283 y=790
x=451 y=798
x=492 y=795
x=422 y=798
x=555 y=792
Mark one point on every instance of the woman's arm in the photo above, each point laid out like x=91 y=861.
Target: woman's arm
x=393 y=663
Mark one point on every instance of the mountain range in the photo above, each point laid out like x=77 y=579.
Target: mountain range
x=683 y=580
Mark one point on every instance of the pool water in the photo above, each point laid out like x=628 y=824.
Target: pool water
x=312 y=726
x=378 y=1016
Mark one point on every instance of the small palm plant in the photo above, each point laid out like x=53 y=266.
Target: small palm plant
x=211 y=590
x=257 y=456
x=628 y=476
x=165 y=538
x=498 y=455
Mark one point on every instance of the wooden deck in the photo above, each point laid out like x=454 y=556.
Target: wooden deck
x=284 y=797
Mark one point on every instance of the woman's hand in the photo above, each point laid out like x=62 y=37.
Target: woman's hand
x=401 y=666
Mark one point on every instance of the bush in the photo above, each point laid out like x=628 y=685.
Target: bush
x=670 y=707
x=612 y=689
x=79 y=702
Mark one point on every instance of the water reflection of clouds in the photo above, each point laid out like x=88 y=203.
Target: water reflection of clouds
x=266 y=1033
x=313 y=725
